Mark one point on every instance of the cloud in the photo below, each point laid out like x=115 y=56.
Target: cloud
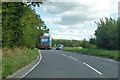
x=74 y=33
x=119 y=9
x=74 y=19
x=72 y=13
x=67 y=37
x=63 y=27
x=81 y=5
x=61 y=7
x=51 y=20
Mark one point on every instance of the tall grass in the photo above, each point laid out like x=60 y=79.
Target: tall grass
x=95 y=52
x=14 y=59
x=0 y=63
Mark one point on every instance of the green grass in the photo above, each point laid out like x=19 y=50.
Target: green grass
x=0 y=68
x=0 y=63
x=14 y=59
x=95 y=52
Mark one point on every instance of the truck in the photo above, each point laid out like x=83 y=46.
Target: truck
x=45 y=42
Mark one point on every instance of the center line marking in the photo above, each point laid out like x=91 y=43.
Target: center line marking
x=72 y=58
x=92 y=68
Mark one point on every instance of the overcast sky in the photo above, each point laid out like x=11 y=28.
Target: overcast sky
x=75 y=19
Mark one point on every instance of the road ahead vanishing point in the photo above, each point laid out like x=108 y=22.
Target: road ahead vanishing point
x=63 y=64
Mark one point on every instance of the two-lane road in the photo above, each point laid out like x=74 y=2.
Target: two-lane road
x=63 y=64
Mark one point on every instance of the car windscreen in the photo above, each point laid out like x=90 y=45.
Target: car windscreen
x=59 y=45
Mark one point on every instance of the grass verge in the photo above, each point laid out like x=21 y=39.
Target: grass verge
x=95 y=52
x=14 y=59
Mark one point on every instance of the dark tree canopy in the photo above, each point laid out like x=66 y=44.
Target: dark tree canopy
x=19 y=25
x=107 y=34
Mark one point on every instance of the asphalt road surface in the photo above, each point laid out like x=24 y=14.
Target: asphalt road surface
x=63 y=64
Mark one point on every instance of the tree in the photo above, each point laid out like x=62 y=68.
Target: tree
x=107 y=34
x=20 y=24
x=92 y=41
x=118 y=33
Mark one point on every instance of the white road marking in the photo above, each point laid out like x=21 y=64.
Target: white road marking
x=63 y=54
x=33 y=66
x=110 y=60
x=72 y=58
x=92 y=68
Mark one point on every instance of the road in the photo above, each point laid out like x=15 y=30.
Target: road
x=64 y=64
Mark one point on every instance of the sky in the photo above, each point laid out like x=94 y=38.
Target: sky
x=74 y=19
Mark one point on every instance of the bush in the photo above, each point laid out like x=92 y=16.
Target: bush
x=90 y=46
x=14 y=59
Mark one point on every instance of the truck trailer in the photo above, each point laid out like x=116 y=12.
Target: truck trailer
x=45 y=42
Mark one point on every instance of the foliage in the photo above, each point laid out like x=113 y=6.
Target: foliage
x=119 y=33
x=38 y=4
x=73 y=43
x=0 y=24
x=92 y=41
x=14 y=59
x=91 y=46
x=86 y=44
x=95 y=52
x=66 y=43
x=19 y=25
x=22 y=28
x=107 y=34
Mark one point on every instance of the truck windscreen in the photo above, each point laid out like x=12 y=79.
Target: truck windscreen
x=44 y=40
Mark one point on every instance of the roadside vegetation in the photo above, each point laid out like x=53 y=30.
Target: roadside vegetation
x=95 y=52
x=0 y=41
x=14 y=59
x=105 y=43
x=73 y=43
x=21 y=31
x=21 y=25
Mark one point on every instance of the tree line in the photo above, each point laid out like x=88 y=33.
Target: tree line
x=106 y=36
x=72 y=43
x=66 y=43
x=21 y=25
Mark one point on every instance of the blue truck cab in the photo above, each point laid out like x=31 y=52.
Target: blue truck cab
x=46 y=42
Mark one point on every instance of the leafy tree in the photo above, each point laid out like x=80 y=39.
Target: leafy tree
x=0 y=24
x=19 y=26
x=118 y=33
x=107 y=34
x=84 y=43
x=92 y=41
x=11 y=29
